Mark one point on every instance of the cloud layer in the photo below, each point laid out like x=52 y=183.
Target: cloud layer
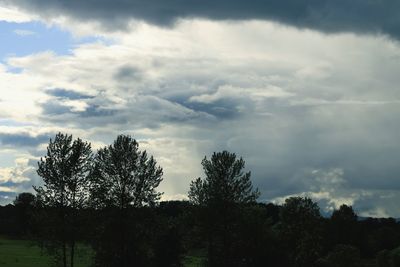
x=311 y=114
x=357 y=16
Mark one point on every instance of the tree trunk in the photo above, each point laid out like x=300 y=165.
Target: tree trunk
x=72 y=253
x=64 y=254
x=64 y=235
x=122 y=233
x=73 y=228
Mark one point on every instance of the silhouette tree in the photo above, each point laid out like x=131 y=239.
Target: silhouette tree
x=301 y=230
x=225 y=181
x=24 y=199
x=24 y=204
x=221 y=193
x=65 y=171
x=344 y=214
x=344 y=226
x=124 y=178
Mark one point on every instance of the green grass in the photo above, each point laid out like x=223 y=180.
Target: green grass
x=195 y=258
x=24 y=253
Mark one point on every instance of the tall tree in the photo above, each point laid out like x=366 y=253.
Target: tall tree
x=220 y=195
x=24 y=204
x=344 y=214
x=300 y=227
x=123 y=177
x=24 y=199
x=343 y=226
x=225 y=181
x=65 y=170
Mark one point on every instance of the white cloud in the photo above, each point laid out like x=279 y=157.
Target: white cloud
x=16 y=174
x=286 y=100
x=14 y=15
x=228 y=91
x=330 y=190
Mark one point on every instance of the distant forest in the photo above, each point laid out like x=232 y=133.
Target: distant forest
x=109 y=201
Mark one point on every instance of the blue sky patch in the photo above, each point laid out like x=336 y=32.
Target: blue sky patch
x=22 y=39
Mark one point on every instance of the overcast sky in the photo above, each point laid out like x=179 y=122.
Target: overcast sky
x=307 y=91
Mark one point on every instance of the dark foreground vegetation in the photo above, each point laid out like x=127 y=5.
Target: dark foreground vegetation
x=107 y=206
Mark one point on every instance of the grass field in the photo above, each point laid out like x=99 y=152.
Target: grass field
x=23 y=253
x=195 y=258
x=193 y=261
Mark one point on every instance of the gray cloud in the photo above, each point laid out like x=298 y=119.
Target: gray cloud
x=358 y=16
x=283 y=135
x=126 y=73
x=138 y=111
x=69 y=94
x=7 y=197
x=23 y=139
x=326 y=104
x=222 y=109
x=54 y=108
x=19 y=179
x=64 y=103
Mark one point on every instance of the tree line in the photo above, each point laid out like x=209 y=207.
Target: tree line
x=109 y=201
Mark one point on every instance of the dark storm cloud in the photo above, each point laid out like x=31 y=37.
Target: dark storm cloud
x=22 y=139
x=360 y=16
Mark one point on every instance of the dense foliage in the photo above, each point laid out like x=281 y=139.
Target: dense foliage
x=165 y=234
x=110 y=203
x=65 y=171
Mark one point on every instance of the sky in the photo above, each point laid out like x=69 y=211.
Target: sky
x=306 y=91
